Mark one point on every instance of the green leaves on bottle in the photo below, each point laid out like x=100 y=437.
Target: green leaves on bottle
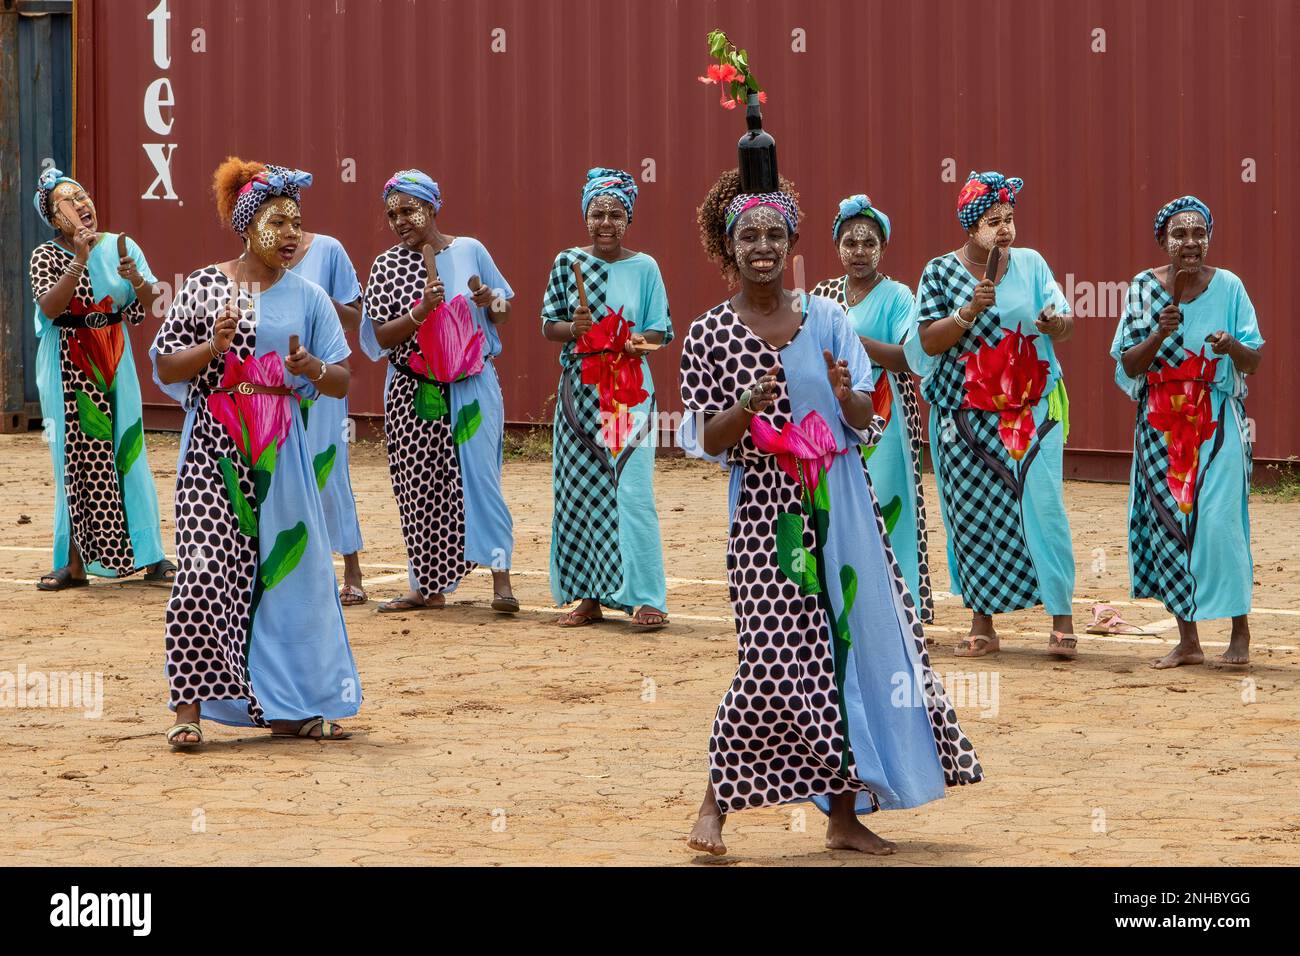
x=467 y=423
x=430 y=404
x=323 y=465
x=243 y=510
x=797 y=563
x=129 y=448
x=285 y=555
x=849 y=588
x=93 y=422
x=891 y=513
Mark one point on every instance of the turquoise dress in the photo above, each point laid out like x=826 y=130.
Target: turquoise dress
x=104 y=496
x=833 y=692
x=1008 y=534
x=329 y=430
x=894 y=463
x=605 y=530
x=254 y=629
x=1189 y=527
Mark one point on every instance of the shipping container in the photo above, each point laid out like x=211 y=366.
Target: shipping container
x=1106 y=108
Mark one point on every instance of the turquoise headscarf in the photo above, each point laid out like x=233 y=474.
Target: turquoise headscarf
x=859 y=205
x=417 y=184
x=44 y=186
x=615 y=182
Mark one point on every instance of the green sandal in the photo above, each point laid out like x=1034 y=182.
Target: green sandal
x=176 y=731
x=327 y=730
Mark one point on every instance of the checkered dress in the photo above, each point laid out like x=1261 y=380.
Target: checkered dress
x=981 y=501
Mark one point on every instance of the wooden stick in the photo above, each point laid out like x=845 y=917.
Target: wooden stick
x=582 y=286
x=429 y=261
x=293 y=344
x=475 y=283
x=121 y=245
x=994 y=260
x=1181 y=281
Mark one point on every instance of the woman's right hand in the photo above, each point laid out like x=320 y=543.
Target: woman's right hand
x=1168 y=321
x=434 y=296
x=581 y=321
x=985 y=296
x=223 y=333
x=763 y=395
x=82 y=240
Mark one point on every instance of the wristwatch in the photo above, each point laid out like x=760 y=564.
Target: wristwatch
x=745 y=397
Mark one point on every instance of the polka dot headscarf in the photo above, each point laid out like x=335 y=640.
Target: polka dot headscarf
x=781 y=202
x=270 y=182
x=1183 y=204
x=983 y=190
x=602 y=180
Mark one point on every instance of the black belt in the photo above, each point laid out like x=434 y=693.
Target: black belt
x=91 y=320
x=404 y=369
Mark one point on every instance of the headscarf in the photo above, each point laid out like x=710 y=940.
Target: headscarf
x=44 y=186
x=615 y=182
x=781 y=202
x=983 y=190
x=417 y=184
x=270 y=182
x=1170 y=209
x=859 y=205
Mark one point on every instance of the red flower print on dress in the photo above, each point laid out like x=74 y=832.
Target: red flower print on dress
x=805 y=451
x=1007 y=378
x=255 y=421
x=618 y=377
x=449 y=345
x=1178 y=404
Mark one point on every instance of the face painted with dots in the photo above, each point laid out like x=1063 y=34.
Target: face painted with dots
x=409 y=218
x=275 y=232
x=997 y=227
x=606 y=222
x=1187 y=240
x=861 y=247
x=83 y=207
x=760 y=244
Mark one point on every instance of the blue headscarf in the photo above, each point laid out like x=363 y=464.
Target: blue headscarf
x=982 y=191
x=859 y=205
x=270 y=182
x=1170 y=209
x=615 y=182
x=417 y=184
x=44 y=186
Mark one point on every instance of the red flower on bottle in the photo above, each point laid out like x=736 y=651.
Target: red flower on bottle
x=449 y=345
x=805 y=451
x=1007 y=378
x=1178 y=404
x=257 y=420
x=720 y=73
x=617 y=376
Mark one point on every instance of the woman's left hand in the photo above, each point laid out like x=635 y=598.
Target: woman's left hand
x=837 y=372
x=635 y=339
x=303 y=363
x=1220 y=342
x=1050 y=322
x=127 y=269
x=483 y=296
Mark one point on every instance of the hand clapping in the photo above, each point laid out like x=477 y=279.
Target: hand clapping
x=837 y=372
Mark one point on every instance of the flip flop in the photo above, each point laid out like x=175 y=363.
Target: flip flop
x=158 y=572
x=327 y=728
x=1107 y=620
x=62 y=578
x=350 y=595
x=174 y=732
x=1056 y=645
x=506 y=605
x=578 y=619
x=968 y=648
x=649 y=625
x=402 y=605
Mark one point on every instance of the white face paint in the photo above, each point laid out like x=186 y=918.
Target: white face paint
x=861 y=247
x=606 y=221
x=83 y=209
x=761 y=244
x=997 y=227
x=1186 y=239
x=276 y=226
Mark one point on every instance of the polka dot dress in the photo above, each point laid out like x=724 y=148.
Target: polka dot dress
x=209 y=616
x=779 y=733
x=422 y=460
x=96 y=510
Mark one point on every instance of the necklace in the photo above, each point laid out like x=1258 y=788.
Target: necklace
x=854 y=300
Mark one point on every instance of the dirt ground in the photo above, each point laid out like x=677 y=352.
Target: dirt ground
x=491 y=740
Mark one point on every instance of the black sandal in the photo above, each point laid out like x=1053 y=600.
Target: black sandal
x=159 y=570
x=62 y=578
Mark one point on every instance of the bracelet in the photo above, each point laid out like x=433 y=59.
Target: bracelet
x=956 y=317
x=75 y=268
x=745 y=397
x=573 y=331
x=323 y=369
x=418 y=322
x=216 y=352
x=142 y=284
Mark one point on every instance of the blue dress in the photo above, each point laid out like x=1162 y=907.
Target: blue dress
x=474 y=519
x=894 y=463
x=834 y=692
x=104 y=496
x=254 y=628
x=605 y=531
x=329 y=431
x=1191 y=550
x=1008 y=534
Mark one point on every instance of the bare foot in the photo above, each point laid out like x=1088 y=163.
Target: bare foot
x=706 y=835
x=1180 y=655
x=1238 y=652
x=850 y=834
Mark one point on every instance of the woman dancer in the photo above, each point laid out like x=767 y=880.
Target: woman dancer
x=605 y=548
x=780 y=385
x=998 y=418
x=443 y=412
x=1189 y=524
x=323 y=260
x=880 y=311
x=255 y=632
x=105 y=505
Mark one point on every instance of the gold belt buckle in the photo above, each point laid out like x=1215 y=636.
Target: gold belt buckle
x=244 y=388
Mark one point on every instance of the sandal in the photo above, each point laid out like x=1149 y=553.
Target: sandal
x=506 y=604
x=1063 y=645
x=640 y=615
x=1107 y=620
x=350 y=595
x=174 y=732
x=403 y=604
x=62 y=578
x=327 y=730
x=579 y=619
x=160 y=571
x=977 y=645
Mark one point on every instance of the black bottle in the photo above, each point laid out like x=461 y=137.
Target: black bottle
x=757 y=151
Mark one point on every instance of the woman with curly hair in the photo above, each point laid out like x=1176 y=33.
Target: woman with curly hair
x=255 y=632
x=605 y=547
x=86 y=284
x=833 y=699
